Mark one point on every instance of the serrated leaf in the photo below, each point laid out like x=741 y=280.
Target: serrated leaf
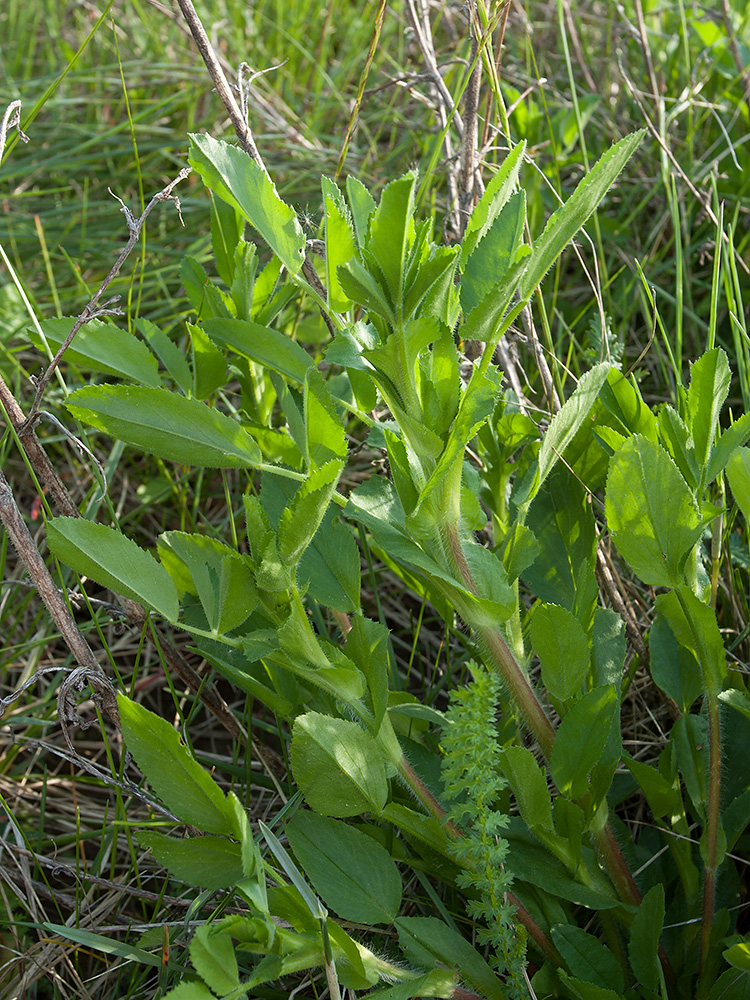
x=651 y=512
x=213 y=956
x=204 y=862
x=338 y=766
x=362 y=205
x=116 y=562
x=352 y=873
x=167 y=425
x=494 y=199
x=493 y=254
x=101 y=346
x=234 y=176
x=391 y=232
x=709 y=384
x=184 y=787
x=302 y=517
x=324 y=428
x=340 y=243
x=569 y=217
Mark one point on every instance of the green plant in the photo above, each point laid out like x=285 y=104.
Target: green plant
x=246 y=610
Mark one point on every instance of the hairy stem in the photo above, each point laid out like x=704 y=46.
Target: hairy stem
x=712 y=828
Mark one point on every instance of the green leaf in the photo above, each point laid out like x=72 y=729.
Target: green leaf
x=581 y=740
x=643 y=948
x=184 y=787
x=165 y=424
x=340 y=243
x=338 y=766
x=426 y=940
x=563 y=650
x=440 y=494
x=483 y=323
x=529 y=784
x=326 y=438
x=437 y=983
x=695 y=626
x=582 y=990
x=214 y=959
x=495 y=197
x=206 y=299
x=739 y=700
x=689 y=738
x=625 y=404
x=226 y=232
x=674 y=667
x=262 y=344
x=301 y=519
x=205 y=862
x=568 y=420
x=365 y=289
x=709 y=384
x=569 y=217
x=230 y=173
x=190 y=991
x=563 y=525
x=307 y=896
x=242 y=290
x=109 y=946
x=329 y=569
x=168 y=353
x=493 y=254
x=219 y=576
x=587 y=958
x=100 y=346
x=675 y=435
x=730 y=441
x=731 y=985
x=608 y=647
x=651 y=512
x=114 y=561
x=362 y=205
x=352 y=873
x=738 y=956
x=738 y=474
x=209 y=363
x=391 y=233
x=367 y=647
x=663 y=797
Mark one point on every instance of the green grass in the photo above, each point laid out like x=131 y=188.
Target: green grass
x=108 y=104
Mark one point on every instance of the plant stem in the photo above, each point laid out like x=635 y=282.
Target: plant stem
x=712 y=828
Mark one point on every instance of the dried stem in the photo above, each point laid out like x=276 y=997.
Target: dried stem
x=90 y=311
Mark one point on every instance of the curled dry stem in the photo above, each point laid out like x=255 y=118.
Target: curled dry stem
x=135 y=225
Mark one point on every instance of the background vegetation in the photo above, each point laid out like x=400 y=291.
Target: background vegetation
x=109 y=94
